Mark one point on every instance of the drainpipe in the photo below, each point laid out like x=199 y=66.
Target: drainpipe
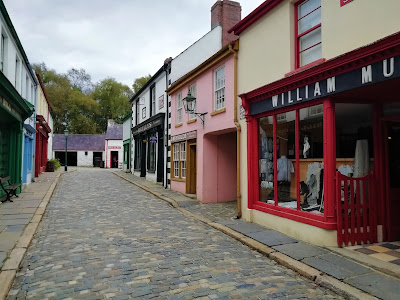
x=235 y=50
x=166 y=127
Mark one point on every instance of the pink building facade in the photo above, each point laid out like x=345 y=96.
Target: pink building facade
x=203 y=160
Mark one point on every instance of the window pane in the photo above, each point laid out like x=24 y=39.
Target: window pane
x=308 y=6
x=310 y=39
x=310 y=21
x=354 y=139
x=311 y=163
x=310 y=55
x=266 y=160
x=286 y=159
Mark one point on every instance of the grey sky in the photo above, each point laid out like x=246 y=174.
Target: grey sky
x=124 y=39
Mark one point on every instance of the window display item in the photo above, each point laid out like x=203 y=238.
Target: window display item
x=285 y=167
x=306 y=147
x=361 y=159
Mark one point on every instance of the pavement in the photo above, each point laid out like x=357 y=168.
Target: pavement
x=18 y=223
x=346 y=272
x=105 y=238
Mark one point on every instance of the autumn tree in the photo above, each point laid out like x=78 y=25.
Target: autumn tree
x=80 y=80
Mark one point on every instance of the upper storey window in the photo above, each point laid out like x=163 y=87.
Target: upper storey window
x=308 y=32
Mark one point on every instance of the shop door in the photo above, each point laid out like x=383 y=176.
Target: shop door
x=191 y=187
x=393 y=157
x=114 y=159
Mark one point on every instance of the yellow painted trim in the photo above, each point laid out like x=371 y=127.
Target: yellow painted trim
x=191 y=121
x=178 y=125
x=208 y=64
x=217 y=112
x=178 y=179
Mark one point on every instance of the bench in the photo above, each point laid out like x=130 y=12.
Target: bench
x=10 y=190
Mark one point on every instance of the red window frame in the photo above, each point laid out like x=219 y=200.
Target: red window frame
x=298 y=36
x=326 y=221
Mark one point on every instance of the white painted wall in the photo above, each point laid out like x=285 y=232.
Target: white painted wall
x=85 y=160
x=114 y=143
x=195 y=54
x=126 y=129
x=50 y=142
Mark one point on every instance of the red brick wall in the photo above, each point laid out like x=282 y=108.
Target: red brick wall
x=227 y=14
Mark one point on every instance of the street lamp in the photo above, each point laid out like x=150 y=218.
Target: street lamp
x=66 y=147
x=189 y=104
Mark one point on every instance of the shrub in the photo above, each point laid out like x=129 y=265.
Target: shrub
x=57 y=163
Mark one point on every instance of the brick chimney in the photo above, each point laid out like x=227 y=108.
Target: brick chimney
x=226 y=13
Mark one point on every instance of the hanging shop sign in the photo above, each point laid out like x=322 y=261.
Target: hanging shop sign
x=377 y=72
x=184 y=136
x=161 y=102
x=141 y=128
x=153 y=139
x=344 y=2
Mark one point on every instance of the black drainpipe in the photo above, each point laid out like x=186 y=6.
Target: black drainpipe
x=166 y=69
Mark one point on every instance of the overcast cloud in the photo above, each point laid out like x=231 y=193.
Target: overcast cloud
x=123 y=39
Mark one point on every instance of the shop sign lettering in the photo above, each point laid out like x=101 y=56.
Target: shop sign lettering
x=373 y=73
x=9 y=107
x=114 y=147
x=139 y=129
x=184 y=136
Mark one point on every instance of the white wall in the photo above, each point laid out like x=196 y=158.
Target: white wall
x=126 y=130
x=85 y=160
x=50 y=142
x=197 y=53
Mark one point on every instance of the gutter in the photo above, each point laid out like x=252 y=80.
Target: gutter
x=234 y=50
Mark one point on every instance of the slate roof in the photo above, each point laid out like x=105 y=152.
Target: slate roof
x=80 y=142
x=114 y=132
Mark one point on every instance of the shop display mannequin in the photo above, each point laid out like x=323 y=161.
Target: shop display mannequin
x=285 y=168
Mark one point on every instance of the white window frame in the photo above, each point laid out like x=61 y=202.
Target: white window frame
x=176 y=159
x=3 y=49
x=179 y=108
x=17 y=72
x=192 y=91
x=153 y=100
x=183 y=159
x=219 y=89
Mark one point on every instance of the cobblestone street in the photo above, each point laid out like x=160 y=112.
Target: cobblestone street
x=104 y=238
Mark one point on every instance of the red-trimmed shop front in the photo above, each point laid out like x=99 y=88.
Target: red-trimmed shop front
x=42 y=137
x=328 y=142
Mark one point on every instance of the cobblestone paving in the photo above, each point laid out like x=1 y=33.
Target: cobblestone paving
x=103 y=238
x=215 y=211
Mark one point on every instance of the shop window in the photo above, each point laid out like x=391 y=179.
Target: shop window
x=137 y=112
x=266 y=164
x=17 y=72
x=192 y=91
x=179 y=108
x=300 y=189
x=219 y=88
x=152 y=153
x=311 y=159
x=179 y=160
x=308 y=34
x=4 y=152
x=354 y=139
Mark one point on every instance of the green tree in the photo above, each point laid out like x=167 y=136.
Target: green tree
x=113 y=98
x=140 y=82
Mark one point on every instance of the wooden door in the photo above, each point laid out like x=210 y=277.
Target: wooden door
x=192 y=180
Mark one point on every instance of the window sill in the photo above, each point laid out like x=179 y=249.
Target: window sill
x=308 y=66
x=178 y=125
x=217 y=112
x=191 y=121
x=178 y=179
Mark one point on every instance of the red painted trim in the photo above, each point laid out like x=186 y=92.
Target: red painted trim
x=329 y=159
x=275 y=154
x=380 y=50
x=113 y=139
x=385 y=205
x=344 y=2
x=308 y=66
x=298 y=216
x=297 y=141
x=254 y=16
